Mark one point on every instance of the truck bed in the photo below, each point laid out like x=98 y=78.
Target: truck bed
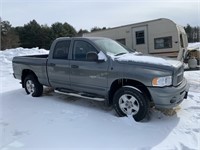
x=35 y=63
x=36 y=56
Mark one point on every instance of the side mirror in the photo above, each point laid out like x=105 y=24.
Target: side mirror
x=92 y=56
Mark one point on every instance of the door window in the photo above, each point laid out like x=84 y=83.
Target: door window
x=81 y=49
x=61 y=50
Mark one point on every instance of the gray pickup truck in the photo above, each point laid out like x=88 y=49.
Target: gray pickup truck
x=106 y=70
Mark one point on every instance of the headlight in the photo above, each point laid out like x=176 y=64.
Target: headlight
x=162 y=81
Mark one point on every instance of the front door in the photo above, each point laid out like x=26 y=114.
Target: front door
x=86 y=75
x=140 y=40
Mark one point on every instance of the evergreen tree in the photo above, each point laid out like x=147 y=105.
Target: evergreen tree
x=62 y=30
x=193 y=33
x=81 y=32
x=30 y=35
x=33 y=34
x=46 y=36
x=9 y=38
x=95 y=29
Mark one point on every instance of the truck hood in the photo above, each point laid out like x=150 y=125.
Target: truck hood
x=147 y=59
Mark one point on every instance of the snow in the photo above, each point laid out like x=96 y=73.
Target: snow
x=192 y=46
x=6 y=66
x=60 y=122
x=101 y=56
x=135 y=57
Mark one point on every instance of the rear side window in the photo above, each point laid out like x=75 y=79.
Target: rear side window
x=61 y=50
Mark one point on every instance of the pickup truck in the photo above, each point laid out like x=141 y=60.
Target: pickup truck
x=102 y=69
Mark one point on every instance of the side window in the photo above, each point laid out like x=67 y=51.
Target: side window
x=181 y=40
x=81 y=49
x=139 y=36
x=61 y=50
x=163 y=42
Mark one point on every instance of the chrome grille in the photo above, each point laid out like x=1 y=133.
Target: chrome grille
x=179 y=79
x=179 y=75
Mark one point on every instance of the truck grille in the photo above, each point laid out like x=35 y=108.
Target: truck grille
x=179 y=79
x=179 y=76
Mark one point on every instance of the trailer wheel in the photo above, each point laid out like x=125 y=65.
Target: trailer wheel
x=131 y=101
x=32 y=86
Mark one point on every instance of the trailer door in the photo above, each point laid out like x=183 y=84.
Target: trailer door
x=140 y=40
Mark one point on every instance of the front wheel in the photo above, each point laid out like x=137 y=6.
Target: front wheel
x=32 y=86
x=131 y=101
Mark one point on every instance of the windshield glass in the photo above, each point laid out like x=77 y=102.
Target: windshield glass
x=111 y=47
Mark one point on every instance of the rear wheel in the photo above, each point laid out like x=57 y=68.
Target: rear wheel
x=131 y=101
x=32 y=86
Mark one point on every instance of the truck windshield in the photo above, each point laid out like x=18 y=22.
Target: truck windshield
x=111 y=47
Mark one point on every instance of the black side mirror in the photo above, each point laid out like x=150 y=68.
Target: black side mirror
x=92 y=56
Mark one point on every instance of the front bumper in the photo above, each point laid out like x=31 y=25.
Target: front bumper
x=169 y=97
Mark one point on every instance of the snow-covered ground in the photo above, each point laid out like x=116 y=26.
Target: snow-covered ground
x=56 y=122
x=195 y=45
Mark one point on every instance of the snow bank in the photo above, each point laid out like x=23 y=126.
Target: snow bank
x=6 y=65
x=194 y=46
x=7 y=55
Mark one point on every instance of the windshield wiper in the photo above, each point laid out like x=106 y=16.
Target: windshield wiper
x=120 y=54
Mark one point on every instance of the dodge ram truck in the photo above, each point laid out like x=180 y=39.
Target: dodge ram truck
x=102 y=69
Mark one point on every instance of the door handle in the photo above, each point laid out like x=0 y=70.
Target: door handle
x=74 y=66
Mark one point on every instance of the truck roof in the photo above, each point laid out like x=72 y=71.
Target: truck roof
x=90 y=38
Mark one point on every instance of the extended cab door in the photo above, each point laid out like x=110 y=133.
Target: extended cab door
x=87 y=76
x=58 y=68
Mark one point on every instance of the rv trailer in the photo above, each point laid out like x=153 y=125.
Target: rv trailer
x=161 y=37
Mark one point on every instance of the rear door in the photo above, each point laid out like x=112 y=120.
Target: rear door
x=58 y=68
x=87 y=76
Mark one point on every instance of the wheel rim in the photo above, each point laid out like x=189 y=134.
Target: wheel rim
x=30 y=86
x=129 y=104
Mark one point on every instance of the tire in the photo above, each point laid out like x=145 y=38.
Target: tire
x=32 y=86
x=129 y=100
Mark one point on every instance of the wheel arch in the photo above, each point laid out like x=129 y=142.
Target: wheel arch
x=25 y=73
x=117 y=84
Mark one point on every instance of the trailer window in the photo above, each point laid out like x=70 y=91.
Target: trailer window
x=181 y=40
x=139 y=36
x=61 y=50
x=163 y=42
x=122 y=41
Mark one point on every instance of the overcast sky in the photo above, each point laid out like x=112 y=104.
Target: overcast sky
x=86 y=14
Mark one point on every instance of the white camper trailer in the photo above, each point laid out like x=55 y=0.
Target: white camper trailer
x=160 y=37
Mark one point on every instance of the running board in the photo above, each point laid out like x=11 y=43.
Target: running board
x=81 y=95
